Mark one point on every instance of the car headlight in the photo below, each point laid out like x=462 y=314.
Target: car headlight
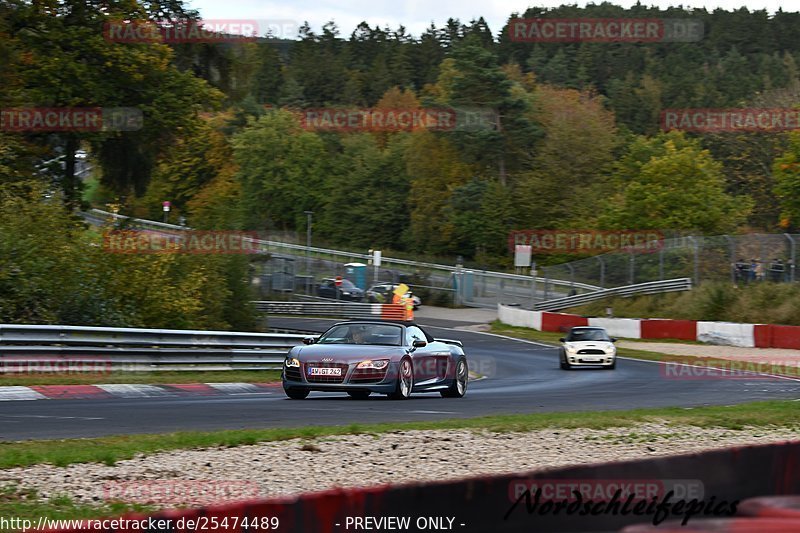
x=570 y=348
x=378 y=364
x=610 y=347
x=292 y=362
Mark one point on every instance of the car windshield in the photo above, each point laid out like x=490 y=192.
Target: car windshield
x=374 y=334
x=577 y=335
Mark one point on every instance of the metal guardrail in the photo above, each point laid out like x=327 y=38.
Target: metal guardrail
x=98 y=215
x=652 y=287
x=333 y=309
x=137 y=349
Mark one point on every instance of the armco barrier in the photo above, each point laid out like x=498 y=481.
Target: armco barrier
x=488 y=503
x=657 y=328
x=135 y=348
x=561 y=322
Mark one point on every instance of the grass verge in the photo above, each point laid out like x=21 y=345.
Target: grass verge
x=148 y=378
x=25 y=505
x=109 y=450
x=646 y=355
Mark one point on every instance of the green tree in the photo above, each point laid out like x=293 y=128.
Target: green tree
x=681 y=189
x=281 y=169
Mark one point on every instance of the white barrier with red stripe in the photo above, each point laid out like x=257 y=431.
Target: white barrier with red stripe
x=721 y=333
x=629 y=328
x=514 y=316
x=727 y=333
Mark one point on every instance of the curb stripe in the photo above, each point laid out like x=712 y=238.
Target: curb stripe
x=19 y=393
x=71 y=392
x=106 y=391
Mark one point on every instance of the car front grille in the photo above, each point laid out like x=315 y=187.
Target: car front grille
x=326 y=379
x=292 y=373
x=591 y=351
x=368 y=375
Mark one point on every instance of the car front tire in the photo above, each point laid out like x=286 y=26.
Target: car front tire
x=459 y=387
x=563 y=362
x=296 y=394
x=405 y=380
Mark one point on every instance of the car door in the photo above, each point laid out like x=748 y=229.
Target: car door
x=427 y=362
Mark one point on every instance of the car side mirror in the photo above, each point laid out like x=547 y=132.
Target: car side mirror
x=419 y=343
x=613 y=339
x=309 y=340
x=562 y=339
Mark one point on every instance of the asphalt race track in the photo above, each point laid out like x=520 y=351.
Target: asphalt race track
x=521 y=377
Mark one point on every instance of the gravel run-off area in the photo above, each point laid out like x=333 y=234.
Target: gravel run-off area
x=197 y=477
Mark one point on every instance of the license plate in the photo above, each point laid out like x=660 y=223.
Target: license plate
x=324 y=371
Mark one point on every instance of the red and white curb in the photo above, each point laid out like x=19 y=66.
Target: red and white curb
x=83 y=392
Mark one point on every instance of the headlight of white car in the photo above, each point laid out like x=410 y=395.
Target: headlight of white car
x=571 y=348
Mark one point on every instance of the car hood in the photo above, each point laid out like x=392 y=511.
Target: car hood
x=347 y=353
x=588 y=344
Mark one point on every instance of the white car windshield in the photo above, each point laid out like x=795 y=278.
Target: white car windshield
x=374 y=334
x=578 y=335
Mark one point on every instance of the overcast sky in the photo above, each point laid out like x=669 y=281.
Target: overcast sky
x=416 y=15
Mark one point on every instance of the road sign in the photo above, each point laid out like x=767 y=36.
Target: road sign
x=166 y=206
x=522 y=255
x=338 y=281
x=376 y=258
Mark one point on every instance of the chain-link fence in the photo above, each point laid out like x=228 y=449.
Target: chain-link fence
x=298 y=274
x=291 y=269
x=736 y=258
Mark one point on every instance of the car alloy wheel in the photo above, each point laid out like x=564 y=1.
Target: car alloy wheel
x=459 y=387
x=405 y=380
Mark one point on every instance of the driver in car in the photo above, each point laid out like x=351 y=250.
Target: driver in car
x=359 y=335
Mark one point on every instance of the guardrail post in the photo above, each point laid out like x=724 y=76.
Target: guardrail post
x=696 y=247
x=571 y=278
x=602 y=271
x=632 y=267
x=546 y=285
x=732 y=254
x=793 y=248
